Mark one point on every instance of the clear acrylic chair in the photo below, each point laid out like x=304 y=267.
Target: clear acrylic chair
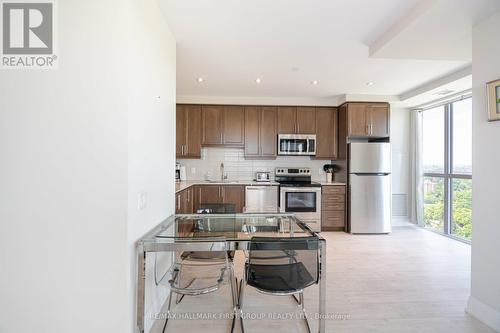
x=281 y=267
x=195 y=274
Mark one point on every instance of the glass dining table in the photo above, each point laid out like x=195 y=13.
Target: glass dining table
x=180 y=233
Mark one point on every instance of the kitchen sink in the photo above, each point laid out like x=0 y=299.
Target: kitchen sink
x=222 y=182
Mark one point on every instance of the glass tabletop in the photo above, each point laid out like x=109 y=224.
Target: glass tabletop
x=231 y=227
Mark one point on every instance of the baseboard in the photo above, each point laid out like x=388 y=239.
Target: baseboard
x=400 y=221
x=484 y=313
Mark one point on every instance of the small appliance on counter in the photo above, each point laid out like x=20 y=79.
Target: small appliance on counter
x=180 y=172
x=263 y=177
x=177 y=171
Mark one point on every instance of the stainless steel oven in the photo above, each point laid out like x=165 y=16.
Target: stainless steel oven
x=304 y=202
x=299 y=195
x=296 y=144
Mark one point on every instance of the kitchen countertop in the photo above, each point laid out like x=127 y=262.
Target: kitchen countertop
x=184 y=184
x=333 y=183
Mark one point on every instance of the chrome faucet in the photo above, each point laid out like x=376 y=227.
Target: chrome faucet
x=223 y=176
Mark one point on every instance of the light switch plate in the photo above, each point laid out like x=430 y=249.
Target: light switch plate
x=142 y=200
x=193 y=170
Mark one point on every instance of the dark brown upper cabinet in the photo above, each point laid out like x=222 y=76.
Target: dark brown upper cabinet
x=367 y=119
x=188 y=131
x=326 y=133
x=223 y=125
x=379 y=120
x=233 y=129
x=260 y=132
x=287 y=120
x=306 y=120
x=212 y=124
x=296 y=120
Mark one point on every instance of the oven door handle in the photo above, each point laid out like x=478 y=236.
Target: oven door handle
x=300 y=189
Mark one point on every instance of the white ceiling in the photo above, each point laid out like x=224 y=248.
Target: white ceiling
x=289 y=43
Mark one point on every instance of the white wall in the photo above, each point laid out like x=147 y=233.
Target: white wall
x=484 y=302
x=76 y=145
x=151 y=136
x=400 y=143
x=63 y=180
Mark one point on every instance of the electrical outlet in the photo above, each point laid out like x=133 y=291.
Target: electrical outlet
x=142 y=200
x=320 y=171
x=193 y=170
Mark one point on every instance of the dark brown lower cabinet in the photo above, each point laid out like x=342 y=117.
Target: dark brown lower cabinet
x=184 y=201
x=333 y=208
x=214 y=194
x=234 y=194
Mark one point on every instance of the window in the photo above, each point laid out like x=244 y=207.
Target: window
x=447 y=164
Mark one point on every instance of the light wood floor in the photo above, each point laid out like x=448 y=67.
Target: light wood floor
x=409 y=281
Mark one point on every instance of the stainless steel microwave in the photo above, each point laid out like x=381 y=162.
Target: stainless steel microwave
x=297 y=144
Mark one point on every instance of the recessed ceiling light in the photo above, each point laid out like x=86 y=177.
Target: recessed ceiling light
x=258 y=80
x=370 y=83
x=200 y=79
x=314 y=82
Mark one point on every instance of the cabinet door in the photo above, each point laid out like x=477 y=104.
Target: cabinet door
x=357 y=119
x=379 y=120
x=192 y=147
x=233 y=129
x=212 y=124
x=333 y=219
x=187 y=201
x=252 y=132
x=180 y=131
x=326 y=133
x=178 y=207
x=268 y=135
x=287 y=118
x=306 y=120
x=207 y=194
x=232 y=194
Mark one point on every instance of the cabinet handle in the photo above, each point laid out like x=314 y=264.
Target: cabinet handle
x=182 y=150
x=185 y=149
x=221 y=138
x=368 y=129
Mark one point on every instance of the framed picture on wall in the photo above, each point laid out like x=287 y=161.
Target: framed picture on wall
x=493 y=89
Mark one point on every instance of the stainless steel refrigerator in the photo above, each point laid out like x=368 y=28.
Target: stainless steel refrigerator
x=370 y=187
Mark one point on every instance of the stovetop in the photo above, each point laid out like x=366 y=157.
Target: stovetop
x=298 y=184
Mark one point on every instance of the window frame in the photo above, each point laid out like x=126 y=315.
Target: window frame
x=448 y=174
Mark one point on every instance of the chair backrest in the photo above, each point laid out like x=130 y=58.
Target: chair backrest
x=279 y=251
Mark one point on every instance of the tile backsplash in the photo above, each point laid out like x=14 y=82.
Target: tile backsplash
x=237 y=168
